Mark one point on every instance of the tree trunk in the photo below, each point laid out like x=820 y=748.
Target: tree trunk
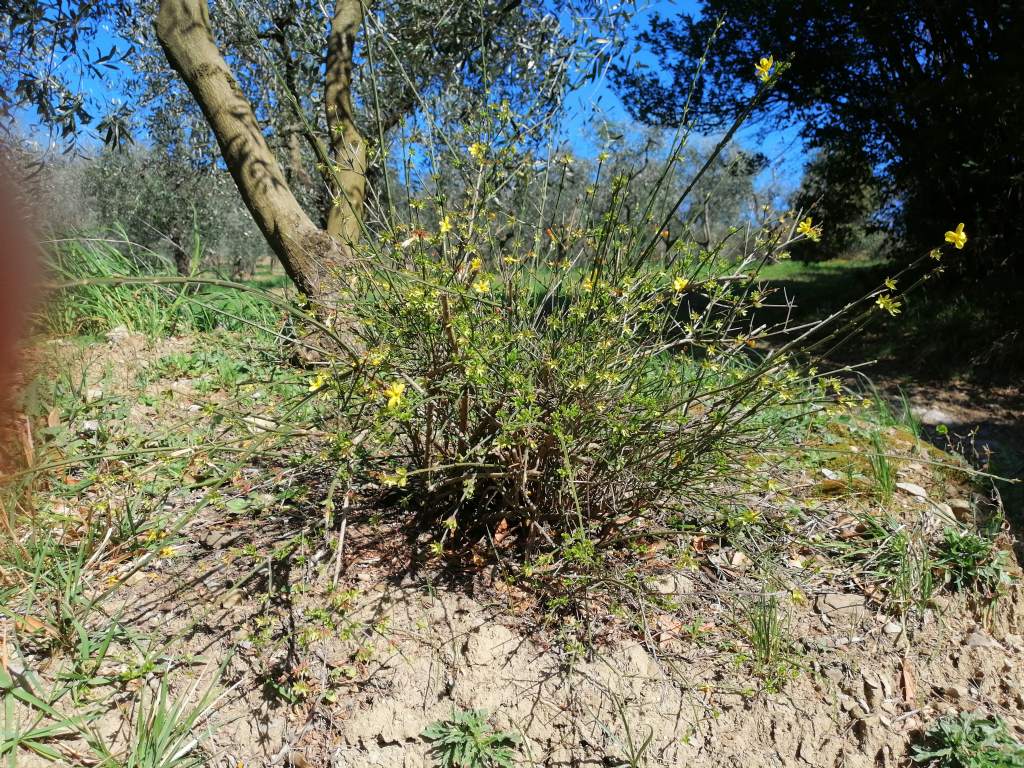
x=348 y=147
x=312 y=258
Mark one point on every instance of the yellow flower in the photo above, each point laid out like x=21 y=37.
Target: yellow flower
x=478 y=150
x=889 y=304
x=398 y=480
x=935 y=253
x=587 y=285
x=167 y=552
x=483 y=285
x=394 y=392
x=890 y=284
x=446 y=225
x=679 y=284
x=807 y=228
x=957 y=236
x=764 y=68
x=475 y=264
x=317 y=382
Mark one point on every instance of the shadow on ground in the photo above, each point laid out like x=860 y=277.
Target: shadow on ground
x=955 y=354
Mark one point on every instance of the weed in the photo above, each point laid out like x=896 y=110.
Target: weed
x=895 y=557
x=895 y=414
x=969 y=560
x=635 y=753
x=969 y=740
x=467 y=741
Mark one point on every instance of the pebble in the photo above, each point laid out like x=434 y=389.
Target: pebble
x=945 y=511
x=672 y=584
x=981 y=640
x=957 y=692
x=913 y=489
x=960 y=505
x=892 y=628
x=839 y=603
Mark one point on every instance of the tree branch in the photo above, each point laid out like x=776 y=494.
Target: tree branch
x=348 y=147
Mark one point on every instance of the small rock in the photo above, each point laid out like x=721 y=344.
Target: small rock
x=119 y=334
x=219 y=539
x=892 y=628
x=981 y=640
x=849 y=704
x=932 y=416
x=739 y=560
x=944 y=511
x=89 y=427
x=874 y=692
x=835 y=673
x=961 y=508
x=957 y=692
x=672 y=584
x=913 y=489
x=837 y=603
x=93 y=393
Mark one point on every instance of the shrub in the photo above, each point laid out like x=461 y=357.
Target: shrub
x=550 y=381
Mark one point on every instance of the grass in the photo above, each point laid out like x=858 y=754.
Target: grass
x=97 y=305
x=953 y=328
x=166 y=725
x=881 y=469
x=770 y=642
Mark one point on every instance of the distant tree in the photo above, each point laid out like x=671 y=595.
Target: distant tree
x=840 y=189
x=619 y=183
x=917 y=100
x=179 y=210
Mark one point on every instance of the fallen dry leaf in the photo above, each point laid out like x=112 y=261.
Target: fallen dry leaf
x=909 y=685
x=30 y=625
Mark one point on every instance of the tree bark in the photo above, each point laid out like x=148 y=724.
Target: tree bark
x=348 y=147
x=312 y=258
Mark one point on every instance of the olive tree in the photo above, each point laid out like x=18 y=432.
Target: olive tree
x=286 y=85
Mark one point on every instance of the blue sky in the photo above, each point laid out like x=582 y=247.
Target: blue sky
x=784 y=149
x=596 y=99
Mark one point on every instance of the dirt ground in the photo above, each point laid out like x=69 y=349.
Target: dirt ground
x=862 y=686
x=342 y=661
